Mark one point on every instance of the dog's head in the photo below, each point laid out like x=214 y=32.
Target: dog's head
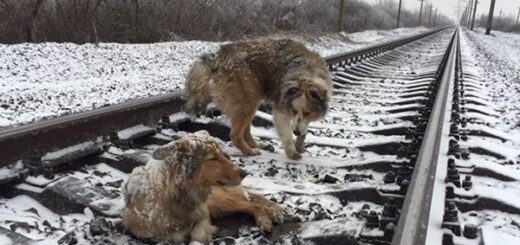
x=306 y=100
x=197 y=159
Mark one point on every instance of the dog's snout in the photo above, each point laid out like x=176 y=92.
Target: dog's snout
x=243 y=173
x=297 y=132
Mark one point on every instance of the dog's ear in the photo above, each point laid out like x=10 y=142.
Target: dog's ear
x=315 y=94
x=183 y=145
x=162 y=151
x=289 y=95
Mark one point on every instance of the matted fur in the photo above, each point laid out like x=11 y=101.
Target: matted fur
x=167 y=199
x=161 y=201
x=240 y=75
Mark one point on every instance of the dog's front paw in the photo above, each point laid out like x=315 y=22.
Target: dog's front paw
x=203 y=232
x=253 y=152
x=277 y=214
x=264 y=223
x=293 y=155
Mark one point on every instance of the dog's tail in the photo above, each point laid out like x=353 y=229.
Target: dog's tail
x=196 y=91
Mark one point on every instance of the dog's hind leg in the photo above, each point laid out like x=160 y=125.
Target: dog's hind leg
x=251 y=140
x=239 y=124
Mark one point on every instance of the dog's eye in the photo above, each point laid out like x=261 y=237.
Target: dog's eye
x=292 y=91
x=306 y=113
x=314 y=95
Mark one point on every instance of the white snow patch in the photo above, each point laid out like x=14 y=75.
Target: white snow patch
x=5 y=240
x=45 y=80
x=491 y=236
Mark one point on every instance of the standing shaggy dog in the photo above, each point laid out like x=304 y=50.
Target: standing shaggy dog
x=173 y=196
x=240 y=75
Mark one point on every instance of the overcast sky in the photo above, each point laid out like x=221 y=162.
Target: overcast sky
x=449 y=7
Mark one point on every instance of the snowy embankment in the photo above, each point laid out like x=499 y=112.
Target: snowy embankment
x=497 y=60
x=39 y=81
x=491 y=65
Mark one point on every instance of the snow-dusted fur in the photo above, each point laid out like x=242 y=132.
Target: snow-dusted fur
x=238 y=77
x=167 y=199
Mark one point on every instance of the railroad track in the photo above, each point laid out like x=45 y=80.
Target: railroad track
x=403 y=157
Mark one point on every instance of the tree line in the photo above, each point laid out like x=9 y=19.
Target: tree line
x=145 y=21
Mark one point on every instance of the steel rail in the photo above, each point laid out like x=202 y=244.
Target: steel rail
x=413 y=222
x=354 y=56
x=56 y=133
x=20 y=142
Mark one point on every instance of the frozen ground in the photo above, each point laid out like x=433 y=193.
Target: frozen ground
x=491 y=67
x=496 y=59
x=330 y=192
x=39 y=81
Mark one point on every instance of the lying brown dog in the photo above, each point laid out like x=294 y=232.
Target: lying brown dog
x=173 y=196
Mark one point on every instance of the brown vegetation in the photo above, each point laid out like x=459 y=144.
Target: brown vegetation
x=146 y=21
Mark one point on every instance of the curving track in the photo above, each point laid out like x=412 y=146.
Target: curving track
x=388 y=164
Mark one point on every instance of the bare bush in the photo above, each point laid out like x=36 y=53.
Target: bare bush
x=500 y=23
x=144 y=21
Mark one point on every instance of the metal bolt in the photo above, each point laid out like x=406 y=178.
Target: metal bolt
x=455 y=116
x=402 y=151
x=404 y=186
x=453 y=176
x=389 y=232
x=455 y=106
x=467 y=183
x=451 y=163
x=470 y=231
x=465 y=154
x=35 y=161
x=450 y=192
x=447 y=239
x=402 y=174
x=456 y=155
x=389 y=177
x=114 y=138
x=454 y=129
x=410 y=132
x=48 y=173
x=165 y=121
x=413 y=159
x=464 y=136
x=389 y=209
x=454 y=148
x=372 y=219
x=450 y=213
x=464 y=122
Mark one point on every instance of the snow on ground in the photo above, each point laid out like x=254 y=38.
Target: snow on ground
x=496 y=59
x=492 y=65
x=343 y=42
x=39 y=81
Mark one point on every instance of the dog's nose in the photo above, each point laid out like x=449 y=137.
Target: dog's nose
x=243 y=173
x=297 y=132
